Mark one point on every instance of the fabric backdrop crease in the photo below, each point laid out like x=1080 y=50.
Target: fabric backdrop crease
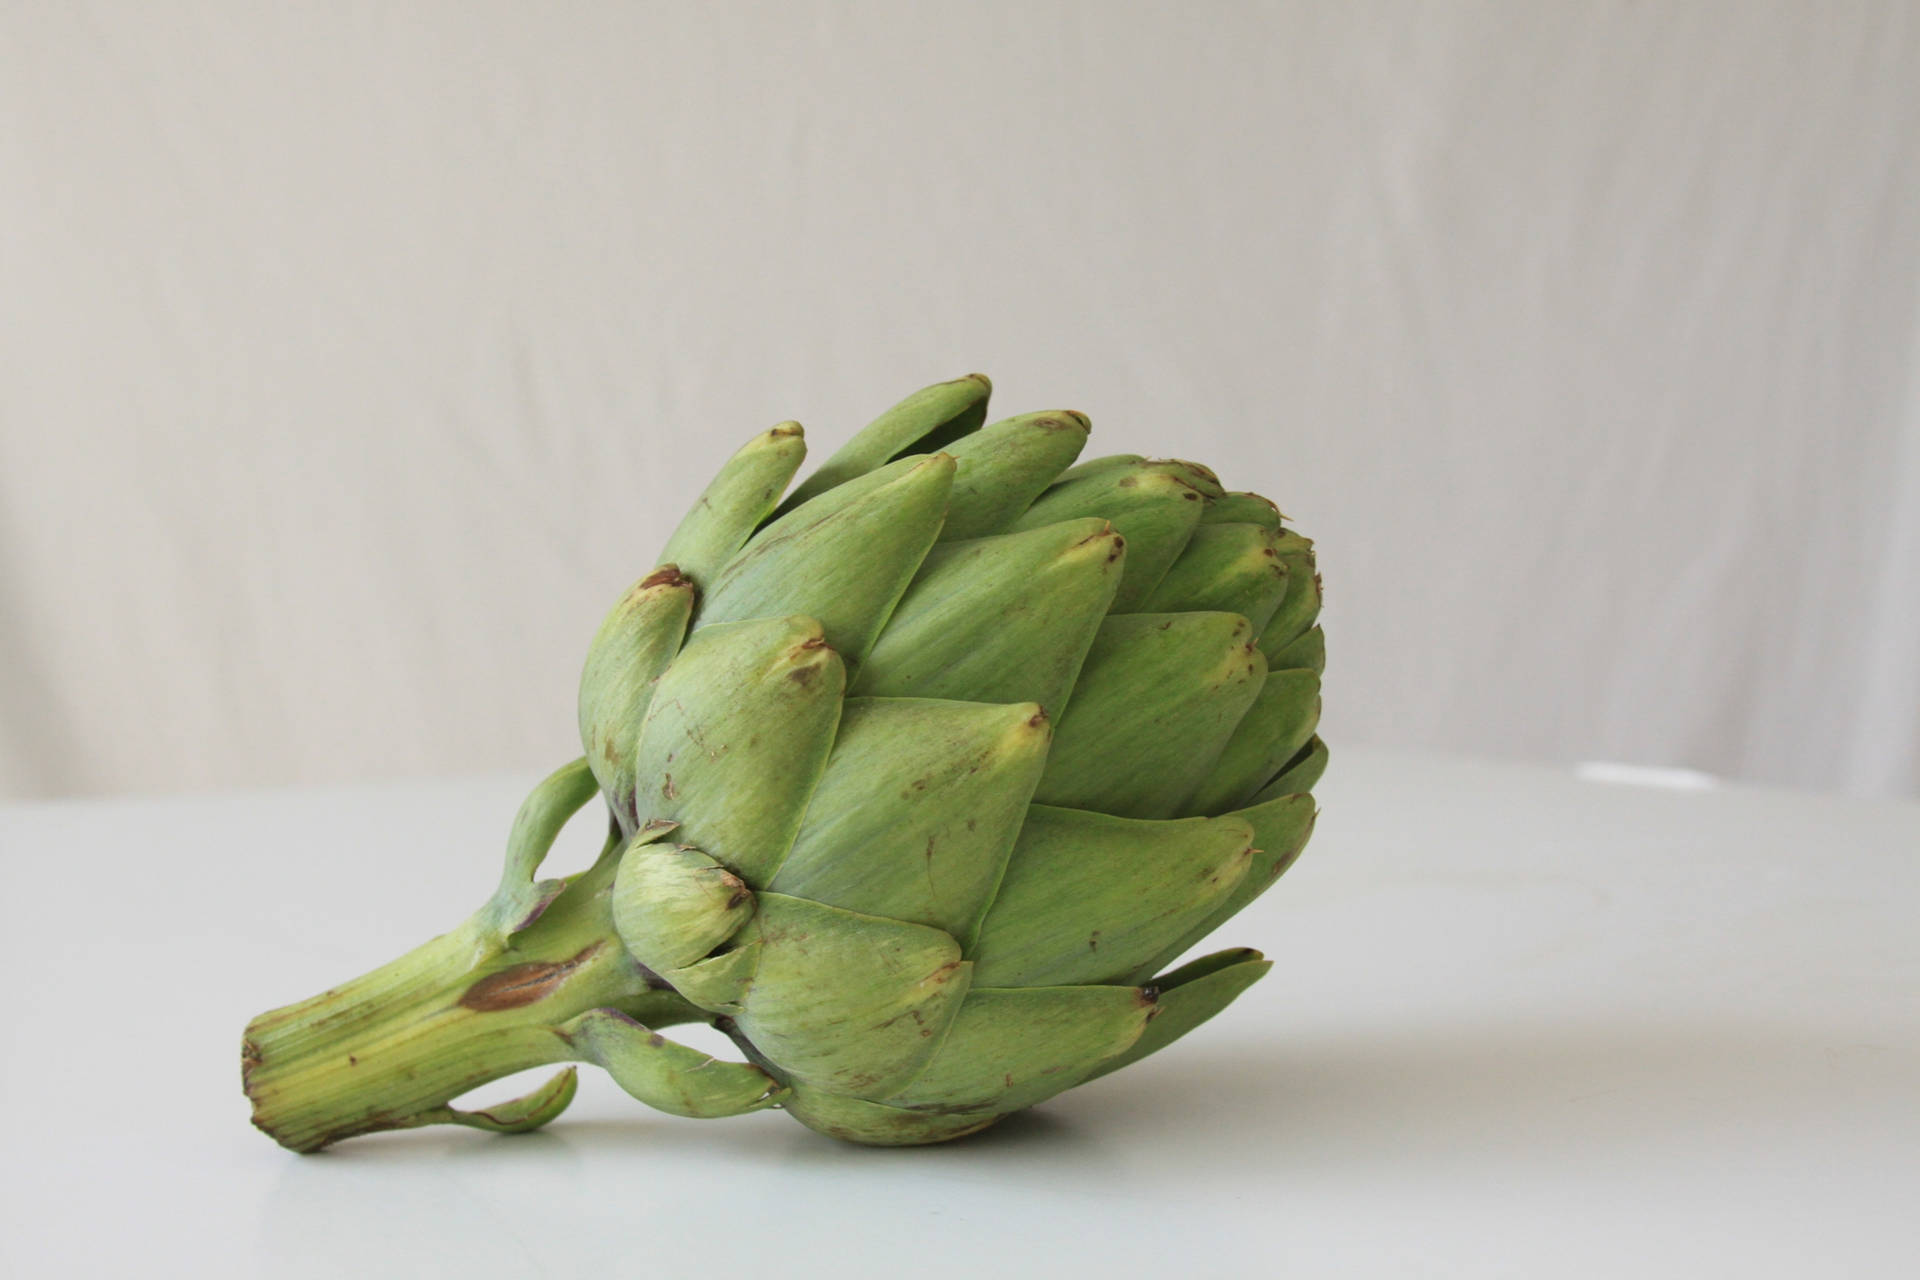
x=353 y=358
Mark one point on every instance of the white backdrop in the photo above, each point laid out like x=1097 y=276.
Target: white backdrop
x=355 y=357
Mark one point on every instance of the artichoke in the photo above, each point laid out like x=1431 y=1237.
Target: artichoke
x=916 y=781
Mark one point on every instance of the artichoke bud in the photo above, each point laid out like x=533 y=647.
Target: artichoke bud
x=672 y=904
x=960 y=746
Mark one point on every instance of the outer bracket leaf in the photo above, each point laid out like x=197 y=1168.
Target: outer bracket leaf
x=666 y=1075
x=520 y=899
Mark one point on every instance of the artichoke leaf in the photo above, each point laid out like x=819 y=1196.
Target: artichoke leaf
x=1088 y=898
x=1308 y=651
x=520 y=899
x=1280 y=829
x=634 y=645
x=1301 y=605
x=1098 y=466
x=844 y=558
x=1232 y=568
x=1299 y=773
x=1000 y=469
x=737 y=734
x=926 y=421
x=1243 y=508
x=1009 y=1049
x=518 y=1115
x=918 y=809
x=847 y=1002
x=672 y=904
x=718 y=983
x=1000 y=619
x=665 y=1074
x=1158 y=699
x=877 y=1124
x=745 y=491
x=1272 y=732
x=1188 y=997
x=1155 y=506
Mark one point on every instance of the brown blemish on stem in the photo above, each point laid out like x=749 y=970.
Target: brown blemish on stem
x=523 y=984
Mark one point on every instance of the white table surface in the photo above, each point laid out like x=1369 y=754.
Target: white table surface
x=1519 y=1024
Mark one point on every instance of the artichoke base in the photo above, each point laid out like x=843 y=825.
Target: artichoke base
x=393 y=1048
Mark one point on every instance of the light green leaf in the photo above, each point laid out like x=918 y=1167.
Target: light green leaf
x=634 y=645
x=520 y=899
x=1301 y=605
x=1309 y=651
x=1274 y=729
x=746 y=489
x=666 y=1075
x=719 y=983
x=848 y=1002
x=1088 y=897
x=843 y=558
x=1231 y=568
x=1011 y=1049
x=1299 y=775
x=1155 y=506
x=925 y=422
x=1280 y=830
x=672 y=904
x=1002 y=468
x=737 y=736
x=877 y=1125
x=918 y=809
x=1242 y=508
x=1188 y=997
x=518 y=1115
x=1157 y=700
x=1006 y=619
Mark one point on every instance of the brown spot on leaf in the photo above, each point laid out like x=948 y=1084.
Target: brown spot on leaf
x=667 y=575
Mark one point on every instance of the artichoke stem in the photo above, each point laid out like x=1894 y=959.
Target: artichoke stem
x=390 y=1049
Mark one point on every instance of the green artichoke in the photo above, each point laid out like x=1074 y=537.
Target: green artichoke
x=916 y=782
